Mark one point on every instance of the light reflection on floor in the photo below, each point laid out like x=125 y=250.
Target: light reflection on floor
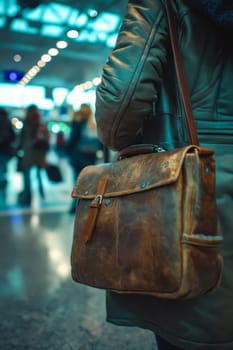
x=41 y=307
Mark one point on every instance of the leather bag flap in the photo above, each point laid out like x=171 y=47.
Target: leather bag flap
x=134 y=174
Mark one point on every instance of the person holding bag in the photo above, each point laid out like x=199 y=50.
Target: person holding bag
x=136 y=104
x=33 y=145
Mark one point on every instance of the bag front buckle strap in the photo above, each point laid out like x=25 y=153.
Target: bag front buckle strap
x=94 y=210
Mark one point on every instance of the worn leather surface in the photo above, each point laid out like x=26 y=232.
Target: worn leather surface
x=156 y=231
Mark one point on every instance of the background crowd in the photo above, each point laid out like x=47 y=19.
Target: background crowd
x=32 y=145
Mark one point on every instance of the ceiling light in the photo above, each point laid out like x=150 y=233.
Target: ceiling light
x=28 y=76
x=41 y=63
x=87 y=85
x=72 y=34
x=46 y=58
x=96 y=81
x=78 y=88
x=31 y=73
x=25 y=80
x=62 y=44
x=17 y=58
x=36 y=69
x=92 y=13
x=53 y=52
x=82 y=20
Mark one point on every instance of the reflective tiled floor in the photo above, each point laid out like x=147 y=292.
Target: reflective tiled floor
x=41 y=307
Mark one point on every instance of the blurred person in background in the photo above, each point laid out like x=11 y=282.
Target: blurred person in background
x=33 y=147
x=7 y=137
x=83 y=143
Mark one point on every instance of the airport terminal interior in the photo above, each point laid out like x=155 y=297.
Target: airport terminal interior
x=41 y=307
x=52 y=53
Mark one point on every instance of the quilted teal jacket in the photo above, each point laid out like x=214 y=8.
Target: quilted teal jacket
x=139 y=74
x=138 y=101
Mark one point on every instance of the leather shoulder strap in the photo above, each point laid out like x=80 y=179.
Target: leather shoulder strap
x=181 y=77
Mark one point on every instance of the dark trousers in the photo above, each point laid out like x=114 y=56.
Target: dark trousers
x=26 y=194
x=164 y=345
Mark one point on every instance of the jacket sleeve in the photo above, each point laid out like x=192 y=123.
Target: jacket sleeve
x=132 y=75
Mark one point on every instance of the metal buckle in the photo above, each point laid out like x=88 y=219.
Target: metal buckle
x=99 y=198
x=158 y=149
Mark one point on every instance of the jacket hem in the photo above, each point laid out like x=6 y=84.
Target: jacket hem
x=175 y=340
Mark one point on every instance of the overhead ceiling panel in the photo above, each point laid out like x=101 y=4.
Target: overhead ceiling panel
x=31 y=28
